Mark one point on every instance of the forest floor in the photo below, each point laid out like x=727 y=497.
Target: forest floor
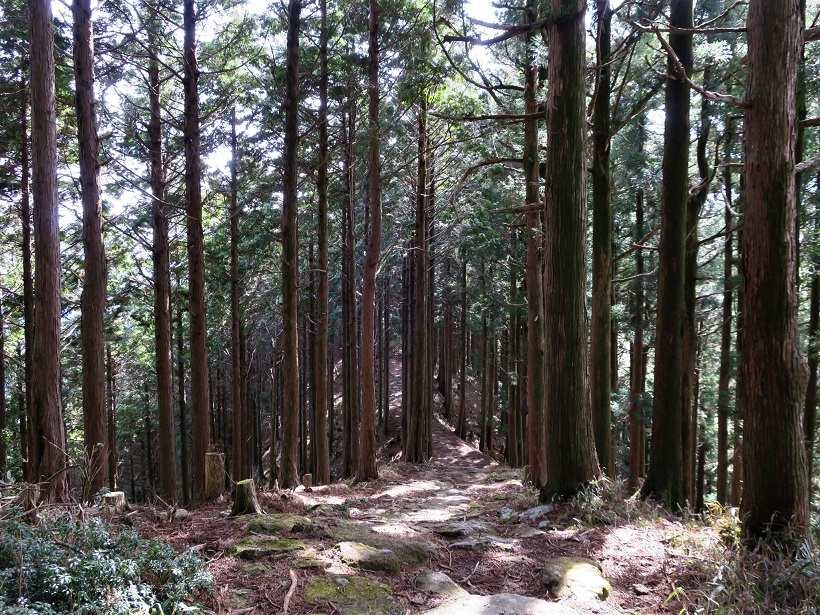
x=459 y=514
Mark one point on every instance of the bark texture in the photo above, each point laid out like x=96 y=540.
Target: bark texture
x=665 y=478
x=571 y=458
x=600 y=347
x=162 y=284
x=47 y=456
x=535 y=409
x=773 y=370
x=289 y=464
x=200 y=394
x=320 y=359
x=367 y=447
x=92 y=302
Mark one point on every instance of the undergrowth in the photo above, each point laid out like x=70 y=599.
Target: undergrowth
x=66 y=566
x=770 y=577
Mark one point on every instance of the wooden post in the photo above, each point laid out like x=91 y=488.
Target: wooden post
x=214 y=474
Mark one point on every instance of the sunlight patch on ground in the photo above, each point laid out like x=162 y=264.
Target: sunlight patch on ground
x=410 y=488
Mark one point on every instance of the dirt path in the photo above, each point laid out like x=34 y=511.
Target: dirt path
x=459 y=514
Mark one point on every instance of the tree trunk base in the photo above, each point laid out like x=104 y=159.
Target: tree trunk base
x=214 y=474
x=244 y=499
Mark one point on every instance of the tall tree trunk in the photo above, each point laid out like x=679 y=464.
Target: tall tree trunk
x=162 y=281
x=810 y=408
x=367 y=447
x=237 y=403
x=113 y=457
x=386 y=355
x=725 y=343
x=637 y=420
x=571 y=460
x=600 y=355
x=773 y=383
x=92 y=302
x=183 y=419
x=200 y=403
x=535 y=408
x=320 y=358
x=28 y=279
x=461 y=423
x=47 y=455
x=3 y=449
x=665 y=478
x=149 y=442
x=289 y=464
x=690 y=337
x=420 y=376
x=350 y=361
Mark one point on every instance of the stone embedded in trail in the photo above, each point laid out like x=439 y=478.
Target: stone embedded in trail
x=507 y=515
x=352 y=595
x=255 y=570
x=461 y=529
x=330 y=510
x=258 y=547
x=502 y=604
x=534 y=514
x=309 y=559
x=439 y=583
x=270 y=524
x=575 y=577
x=408 y=551
x=526 y=531
x=366 y=557
x=485 y=543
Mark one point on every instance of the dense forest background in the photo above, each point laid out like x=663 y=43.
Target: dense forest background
x=264 y=212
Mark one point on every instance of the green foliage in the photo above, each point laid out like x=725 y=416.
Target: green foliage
x=74 y=567
x=770 y=577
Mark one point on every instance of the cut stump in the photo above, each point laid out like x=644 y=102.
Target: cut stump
x=214 y=474
x=244 y=499
x=114 y=501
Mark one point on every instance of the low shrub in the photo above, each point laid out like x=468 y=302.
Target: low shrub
x=64 y=566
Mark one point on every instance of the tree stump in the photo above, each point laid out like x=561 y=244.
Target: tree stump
x=307 y=481
x=214 y=474
x=114 y=501
x=244 y=499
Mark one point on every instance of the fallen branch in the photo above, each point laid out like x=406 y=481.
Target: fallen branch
x=294 y=581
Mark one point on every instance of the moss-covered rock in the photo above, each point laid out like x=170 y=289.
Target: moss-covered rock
x=366 y=557
x=408 y=551
x=310 y=559
x=575 y=577
x=258 y=547
x=352 y=595
x=270 y=524
x=255 y=570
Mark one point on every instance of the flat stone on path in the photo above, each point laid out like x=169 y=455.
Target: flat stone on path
x=366 y=557
x=270 y=524
x=534 y=514
x=502 y=604
x=484 y=543
x=575 y=577
x=258 y=547
x=461 y=529
x=352 y=595
x=438 y=583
